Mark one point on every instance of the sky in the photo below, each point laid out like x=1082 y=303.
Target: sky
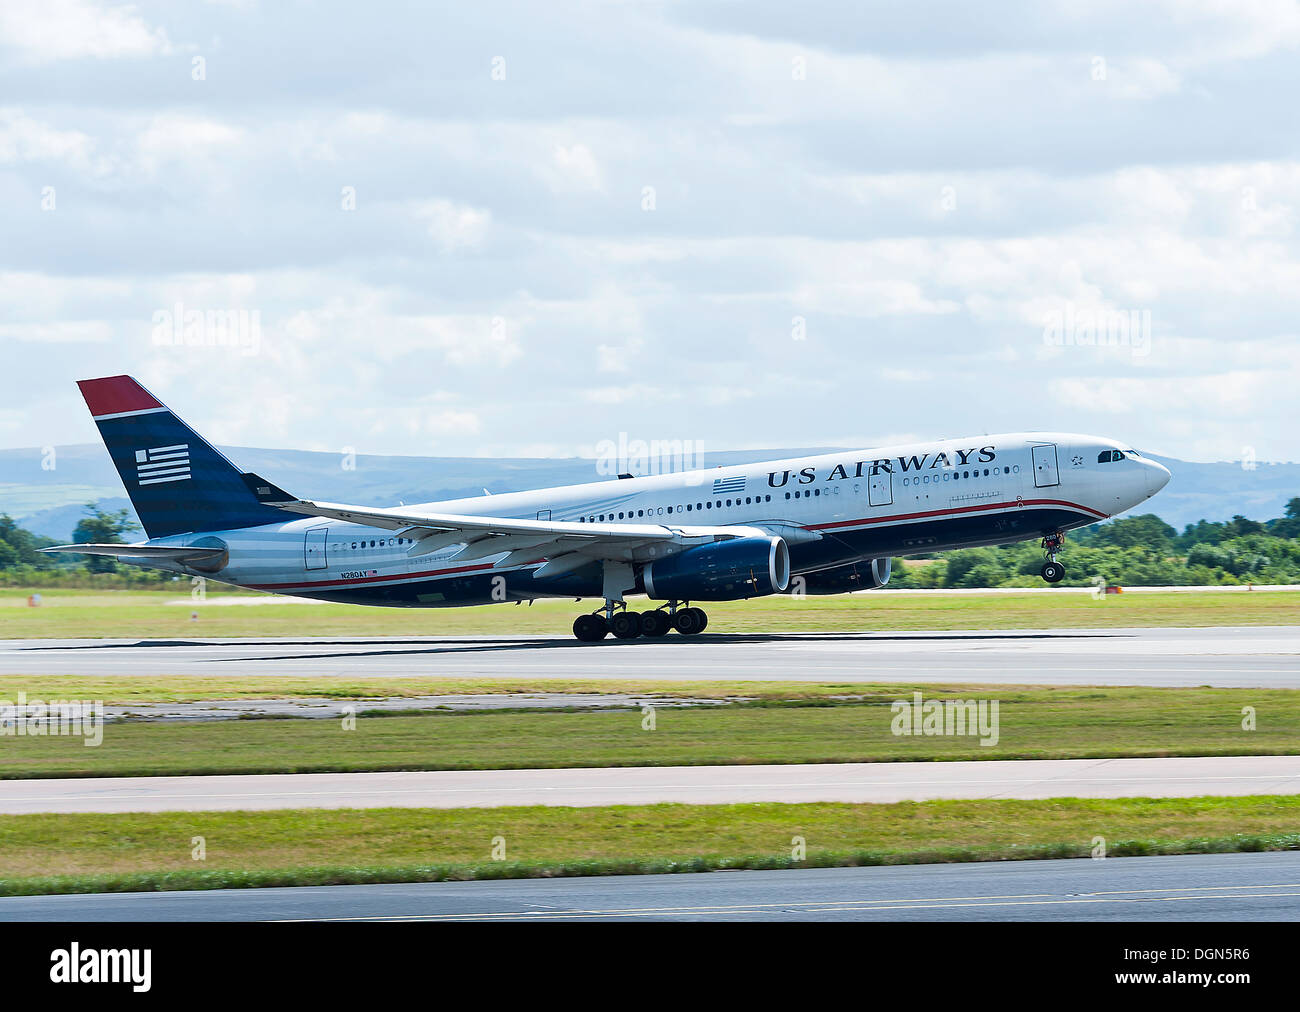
x=497 y=229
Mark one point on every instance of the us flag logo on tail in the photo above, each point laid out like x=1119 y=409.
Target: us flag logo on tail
x=163 y=463
x=729 y=486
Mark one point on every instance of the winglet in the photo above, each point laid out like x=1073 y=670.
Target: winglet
x=266 y=492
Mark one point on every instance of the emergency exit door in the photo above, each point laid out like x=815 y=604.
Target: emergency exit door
x=1045 y=472
x=880 y=489
x=314 y=548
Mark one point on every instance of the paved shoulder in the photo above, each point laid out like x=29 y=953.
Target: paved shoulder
x=843 y=782
x=1232 y=887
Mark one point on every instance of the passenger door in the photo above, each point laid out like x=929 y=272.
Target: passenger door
x=1045 y=470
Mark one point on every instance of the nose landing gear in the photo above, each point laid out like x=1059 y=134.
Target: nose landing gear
x=1053 y=571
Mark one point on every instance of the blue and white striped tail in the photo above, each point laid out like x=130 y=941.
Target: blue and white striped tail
x=177 y=481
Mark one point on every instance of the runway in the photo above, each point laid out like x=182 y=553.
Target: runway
x=1251 y=656
x=1212 y=887
x=704 y=785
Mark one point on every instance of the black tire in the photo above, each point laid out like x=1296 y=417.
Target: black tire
x=655 y=623
x=626 y=625
x=590 y=628
x=689 y=621
x=1053 y=572
x=704 y=618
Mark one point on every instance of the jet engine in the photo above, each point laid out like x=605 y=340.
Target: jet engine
x=845 y=579
x=721 y=571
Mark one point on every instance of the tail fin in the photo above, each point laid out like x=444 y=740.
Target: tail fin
x=177 y=481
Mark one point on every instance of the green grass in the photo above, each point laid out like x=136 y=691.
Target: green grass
x=1035 y=723
x=189 y=688
x=108 y=614
x=85 y=853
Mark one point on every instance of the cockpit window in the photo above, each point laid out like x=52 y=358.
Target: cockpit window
x=1106 y=456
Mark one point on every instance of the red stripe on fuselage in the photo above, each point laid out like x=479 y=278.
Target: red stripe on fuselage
x=333 y=584
x=866 y=521
x=981 y=507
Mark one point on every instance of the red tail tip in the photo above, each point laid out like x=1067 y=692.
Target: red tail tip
x=114 y=395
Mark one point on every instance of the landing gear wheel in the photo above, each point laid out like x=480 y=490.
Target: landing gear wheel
x=590 y=628
x=1053 y=572
x=690 y=621
x=655 y=623
x=626 y=625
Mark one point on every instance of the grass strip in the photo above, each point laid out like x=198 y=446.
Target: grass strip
x=147 y=852
x=1032 y=723
x=118 y=614
x=1047 y=723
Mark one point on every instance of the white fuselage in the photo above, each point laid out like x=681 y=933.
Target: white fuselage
x=832 y=509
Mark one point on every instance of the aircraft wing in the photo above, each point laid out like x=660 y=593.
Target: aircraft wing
x=564 y=544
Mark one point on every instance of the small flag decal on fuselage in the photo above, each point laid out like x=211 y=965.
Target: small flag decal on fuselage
x=729 y=486
x=163 y=463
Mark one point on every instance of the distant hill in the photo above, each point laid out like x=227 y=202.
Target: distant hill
x=50 y=502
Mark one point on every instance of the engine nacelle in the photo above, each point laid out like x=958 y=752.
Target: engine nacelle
x=845 y=579
x=722 y=571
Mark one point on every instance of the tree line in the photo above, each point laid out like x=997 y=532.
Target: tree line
x=1140 y=551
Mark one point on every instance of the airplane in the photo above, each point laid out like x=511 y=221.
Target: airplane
x=825 y=524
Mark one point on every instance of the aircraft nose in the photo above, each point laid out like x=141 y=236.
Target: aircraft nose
x=1157 y=476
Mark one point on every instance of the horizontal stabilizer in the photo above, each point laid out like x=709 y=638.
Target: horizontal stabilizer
x=177 y=554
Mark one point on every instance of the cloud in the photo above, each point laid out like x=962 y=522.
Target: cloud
x=922 y=186
x=46 y=31
x=453 y=226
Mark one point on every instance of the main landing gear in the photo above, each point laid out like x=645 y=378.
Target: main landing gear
x=628 y=625
x=1053 y=571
